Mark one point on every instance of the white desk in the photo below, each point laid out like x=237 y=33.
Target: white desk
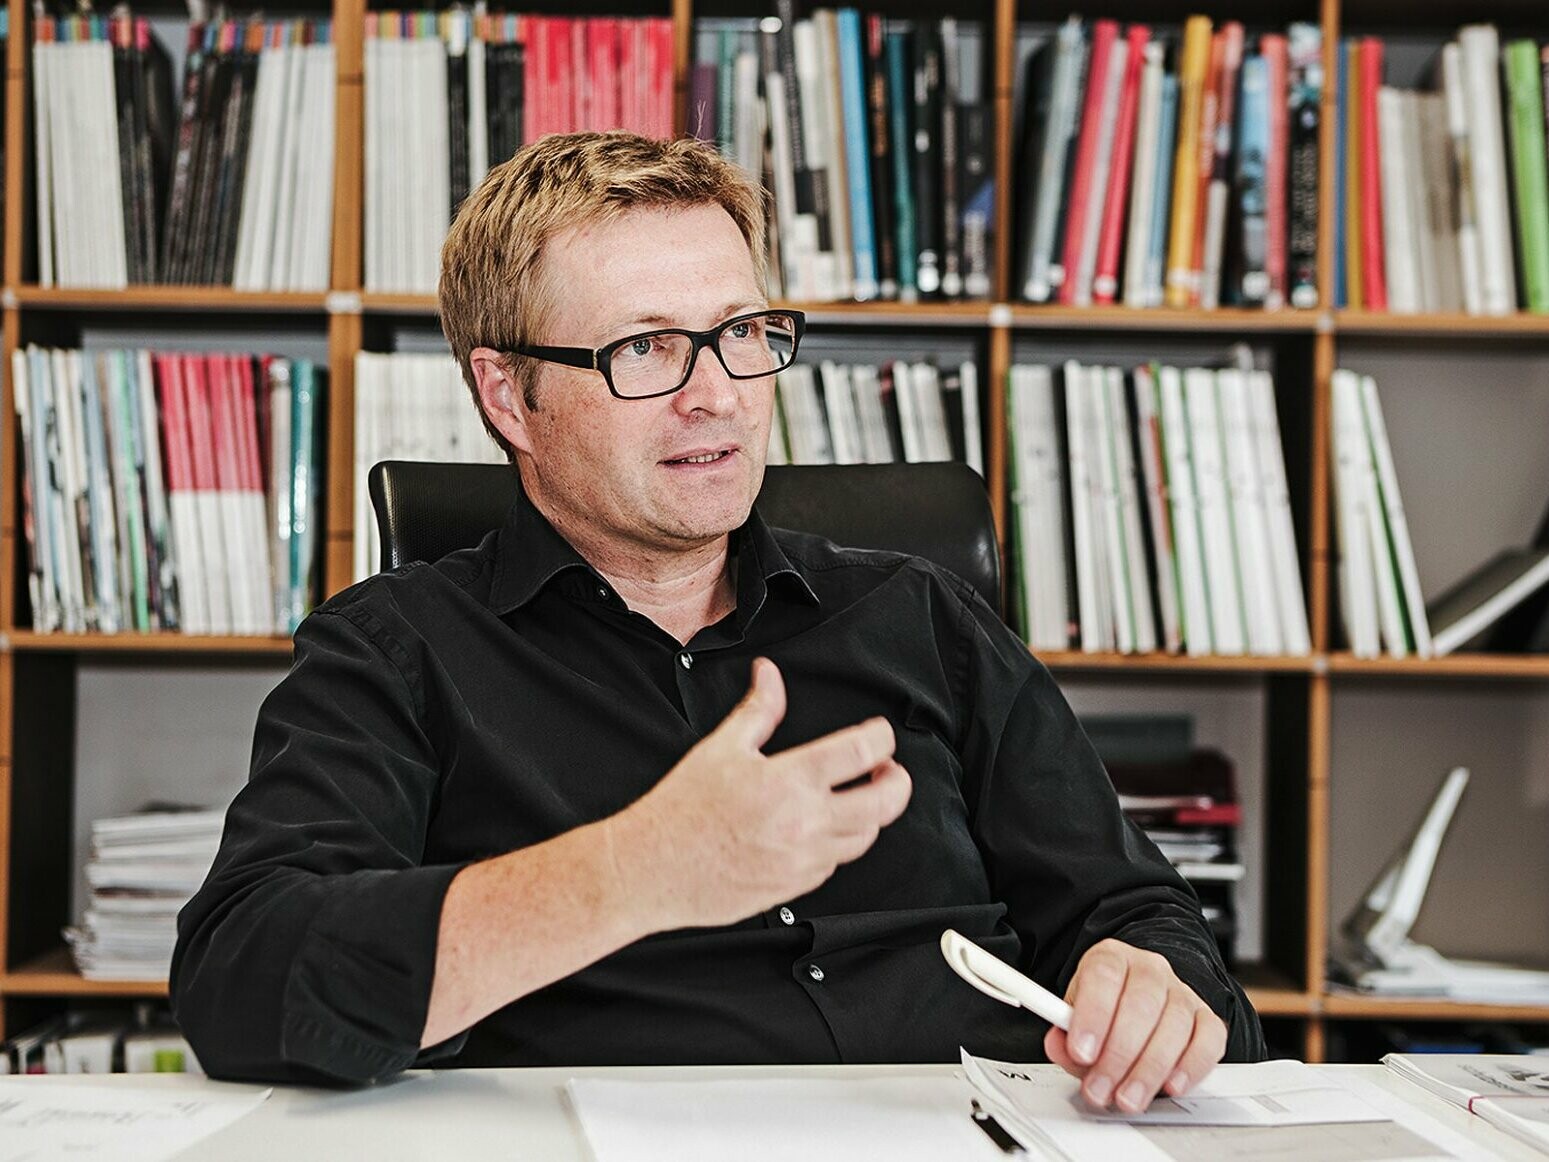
x=487 y=1114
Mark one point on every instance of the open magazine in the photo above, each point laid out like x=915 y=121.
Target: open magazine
x=1510 y=1091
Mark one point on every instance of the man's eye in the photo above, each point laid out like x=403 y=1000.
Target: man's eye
x=640 y=348
x=744 y=330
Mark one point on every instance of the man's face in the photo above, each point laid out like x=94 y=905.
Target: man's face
x=672 y=472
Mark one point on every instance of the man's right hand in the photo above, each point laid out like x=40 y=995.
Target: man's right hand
x=730 y=831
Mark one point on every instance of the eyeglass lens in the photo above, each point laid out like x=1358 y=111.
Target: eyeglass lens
x=750 y=347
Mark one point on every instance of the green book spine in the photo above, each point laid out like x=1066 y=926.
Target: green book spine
x=1524 y=89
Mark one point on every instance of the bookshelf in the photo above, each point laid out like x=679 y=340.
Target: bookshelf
x=1297 y=703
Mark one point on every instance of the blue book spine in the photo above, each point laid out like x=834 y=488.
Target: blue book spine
x=857 y=151
x=305 y=406
x=1341 y=290
x=899 y=100
x=1156 y=249
x=1250 y=276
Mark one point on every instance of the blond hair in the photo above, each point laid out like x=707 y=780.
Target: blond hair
x=492 y=290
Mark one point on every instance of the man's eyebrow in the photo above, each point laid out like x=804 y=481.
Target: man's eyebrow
x=651 y=319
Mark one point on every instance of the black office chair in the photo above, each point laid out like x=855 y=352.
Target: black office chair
x=936 y=511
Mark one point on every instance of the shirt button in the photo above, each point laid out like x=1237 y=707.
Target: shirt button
x=814 y=972
x=686 y=660
x=602 y=592
x=787 y=916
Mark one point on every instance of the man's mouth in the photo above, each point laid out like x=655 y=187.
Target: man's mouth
x=701 y=457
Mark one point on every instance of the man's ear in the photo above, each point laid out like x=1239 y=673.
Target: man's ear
x=500 y=395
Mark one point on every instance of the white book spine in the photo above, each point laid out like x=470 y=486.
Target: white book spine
x=843 y=423
x=1178 y=457
x=973 y=440
x=1245 y=495
x=1147 y=126
x=1289 y=594
x=1398 y=233
x=1481 y=60
x=1357 y=585
x=1106 y=433
x=1226 y=628
x=1083 y=521
x=1461 y=165
x=1397 y=522
x=43 y=154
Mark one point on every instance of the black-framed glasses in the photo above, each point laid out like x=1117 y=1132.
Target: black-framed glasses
x=660 y=362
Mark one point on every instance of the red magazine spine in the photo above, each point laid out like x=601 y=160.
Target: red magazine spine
x=1276 y=167
x=1104 y=33
x=1209 y=121
x=1105 y=284
x=1373 y=275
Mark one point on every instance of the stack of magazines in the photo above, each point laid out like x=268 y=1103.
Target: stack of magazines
x=143 y=869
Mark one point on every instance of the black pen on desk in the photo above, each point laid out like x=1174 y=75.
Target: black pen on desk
x=996 y=1132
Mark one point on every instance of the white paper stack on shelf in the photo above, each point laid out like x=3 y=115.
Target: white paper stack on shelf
x=143 y=869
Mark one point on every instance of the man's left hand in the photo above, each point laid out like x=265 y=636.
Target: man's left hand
x=1137 y=1029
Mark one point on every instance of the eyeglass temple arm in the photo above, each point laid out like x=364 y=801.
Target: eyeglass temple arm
x=583 y=357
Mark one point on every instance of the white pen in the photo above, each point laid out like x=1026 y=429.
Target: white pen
x=993 y=977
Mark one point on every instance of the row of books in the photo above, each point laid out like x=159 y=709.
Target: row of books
x=875 y=137
x=1184 y=175
x=1382 y=606
x=844 y=413
x=409 y=407
x=141 y=871
x=1435 y=185
x=85 y=1041
x=169 y=491
x=1152 y=511
x=232 y=185
x=450 y=93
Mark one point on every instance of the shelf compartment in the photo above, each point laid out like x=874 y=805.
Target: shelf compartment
x=26 y=641
x=1529 y=666
x=1178 y=663
x=54 y=975
x=185 y=298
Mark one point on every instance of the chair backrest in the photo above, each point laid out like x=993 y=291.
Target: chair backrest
x=937 y=511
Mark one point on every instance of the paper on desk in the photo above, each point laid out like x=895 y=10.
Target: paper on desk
x=1043 y=1109
x=43 y=1120
x=896 y=1119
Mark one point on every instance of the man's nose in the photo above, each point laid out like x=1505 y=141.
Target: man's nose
x=709 y=388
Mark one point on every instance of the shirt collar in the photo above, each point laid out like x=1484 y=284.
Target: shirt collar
x=530 y=554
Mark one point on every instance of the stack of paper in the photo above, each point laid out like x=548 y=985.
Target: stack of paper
x=1511 y=1091
x=143 y=869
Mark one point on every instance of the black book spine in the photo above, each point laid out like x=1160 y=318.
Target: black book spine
x=1306 y=92
x=951 y=249
x=147 y=219
x=231 y=224
x=516 y=98
x=160 y=136
x=811 y=185
x=457 y=115
x=1149 y=535
x=881 y=158
x=927 y=157
x=1068 y=523
x=223 y=206
x=216 y=83
x=120 y=32
x=888 y=391
x=178 y=197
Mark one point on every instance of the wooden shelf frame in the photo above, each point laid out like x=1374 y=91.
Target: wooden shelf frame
x=1295 y=988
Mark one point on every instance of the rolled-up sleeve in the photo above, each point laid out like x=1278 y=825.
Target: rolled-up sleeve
x=309 y=953
x=1070 y=867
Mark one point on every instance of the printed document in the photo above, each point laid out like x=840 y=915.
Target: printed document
x=43 y=1120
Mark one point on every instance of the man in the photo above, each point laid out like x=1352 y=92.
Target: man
x=640 y=780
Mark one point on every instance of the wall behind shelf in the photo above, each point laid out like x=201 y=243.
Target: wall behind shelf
x=1467 y=425
x=181 y=733
x=1392 y=742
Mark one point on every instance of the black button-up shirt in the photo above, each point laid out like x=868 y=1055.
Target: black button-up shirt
x=448 y=713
